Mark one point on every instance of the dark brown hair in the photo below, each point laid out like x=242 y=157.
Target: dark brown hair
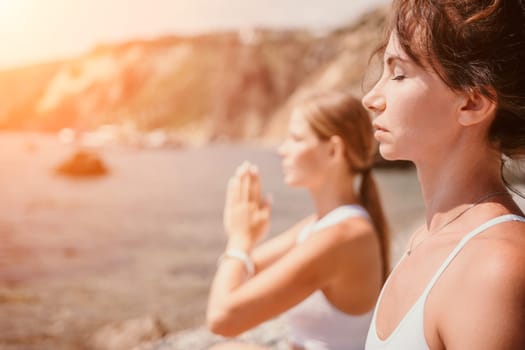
x=473 y=45
x=340 y=113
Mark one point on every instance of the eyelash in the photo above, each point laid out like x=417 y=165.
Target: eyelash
x=398 y=77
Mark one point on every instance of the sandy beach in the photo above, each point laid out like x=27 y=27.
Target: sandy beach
x=77 y=254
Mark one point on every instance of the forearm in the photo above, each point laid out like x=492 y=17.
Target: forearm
x=230 y=275
x=239 y=302
x=234 y=269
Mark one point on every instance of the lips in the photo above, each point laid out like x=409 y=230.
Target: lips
x=378 y=127
x=379 y=131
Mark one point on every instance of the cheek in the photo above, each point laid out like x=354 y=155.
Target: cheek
x=422 y=121
x=299 y=166
x=306 y=159
x=416 y=107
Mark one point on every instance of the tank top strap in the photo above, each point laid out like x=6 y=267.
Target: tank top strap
x=334 y=217
x=339 y=214
x=488 y=224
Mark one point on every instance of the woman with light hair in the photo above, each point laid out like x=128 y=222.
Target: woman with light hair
x=325 y=272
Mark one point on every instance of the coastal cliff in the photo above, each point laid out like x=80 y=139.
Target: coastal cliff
x=221 y=86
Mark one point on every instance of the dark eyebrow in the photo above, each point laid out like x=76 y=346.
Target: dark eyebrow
x=391 y=58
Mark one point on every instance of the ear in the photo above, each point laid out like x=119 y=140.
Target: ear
x=475 y=108
x=336 y=147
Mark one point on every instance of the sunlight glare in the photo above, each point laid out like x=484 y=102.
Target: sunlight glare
x=11 y=11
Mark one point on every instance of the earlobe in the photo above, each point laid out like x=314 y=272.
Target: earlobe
x=476 y=108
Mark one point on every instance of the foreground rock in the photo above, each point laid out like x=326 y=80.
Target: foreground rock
x=271 y=334
x=128 y=334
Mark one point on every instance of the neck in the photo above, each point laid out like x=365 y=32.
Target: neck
x=456 y=181
x=333 y=191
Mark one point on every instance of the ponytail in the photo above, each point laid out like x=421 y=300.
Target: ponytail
x=370 y=201
x=342 y=114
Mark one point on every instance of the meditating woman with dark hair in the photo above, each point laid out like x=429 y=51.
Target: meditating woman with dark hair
x=451 y=99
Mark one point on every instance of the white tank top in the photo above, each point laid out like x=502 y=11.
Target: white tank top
x=410 y=333
x=315 y=324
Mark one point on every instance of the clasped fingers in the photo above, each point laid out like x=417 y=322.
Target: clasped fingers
x=245 y=212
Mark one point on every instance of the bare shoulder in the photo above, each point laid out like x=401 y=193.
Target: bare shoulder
x=491 y=293
x=352 y=230
x=499 y=254
x=493 y=267
x=349 y=240
x=502 y=245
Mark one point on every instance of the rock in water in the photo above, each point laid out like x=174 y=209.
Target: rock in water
x=83 y=164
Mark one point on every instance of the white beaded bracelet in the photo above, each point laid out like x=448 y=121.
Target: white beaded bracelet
x=239 y=255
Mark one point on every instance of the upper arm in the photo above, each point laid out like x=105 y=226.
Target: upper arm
x=303 y=270
x=490 y=311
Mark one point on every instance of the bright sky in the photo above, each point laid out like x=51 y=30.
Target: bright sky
x=39 y=30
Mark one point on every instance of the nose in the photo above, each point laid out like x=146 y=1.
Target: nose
x=374 y=100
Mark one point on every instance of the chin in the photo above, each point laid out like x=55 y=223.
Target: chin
x=290 y=181
x=388 y=153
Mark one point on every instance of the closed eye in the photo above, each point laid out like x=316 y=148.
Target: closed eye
x=398 y=77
